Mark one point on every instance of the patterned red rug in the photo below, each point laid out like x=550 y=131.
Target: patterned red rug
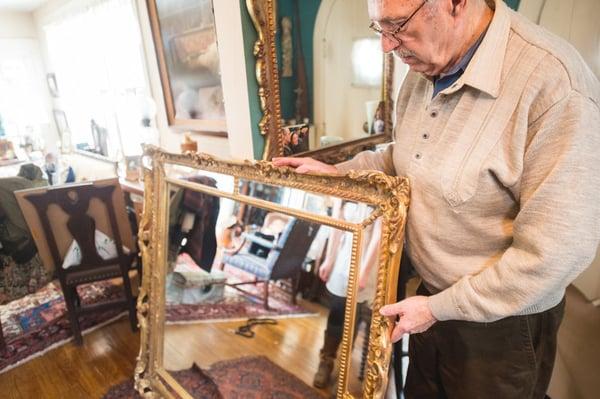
x=38 y=322
x=252 y=377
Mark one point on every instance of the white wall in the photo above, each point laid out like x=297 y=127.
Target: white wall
x=17 y=25
x=574 y=20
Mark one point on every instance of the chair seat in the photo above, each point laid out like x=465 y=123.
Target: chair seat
x=90 y=275
x=249 y=263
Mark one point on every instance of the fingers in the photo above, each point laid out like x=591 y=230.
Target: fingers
x=392 y=309
x=288 y=161
x=399 y=331
x=304 y=169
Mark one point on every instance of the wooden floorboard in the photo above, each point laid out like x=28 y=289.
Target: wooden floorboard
x=107 y=357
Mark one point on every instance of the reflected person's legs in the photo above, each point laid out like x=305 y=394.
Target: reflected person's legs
x=331 y=341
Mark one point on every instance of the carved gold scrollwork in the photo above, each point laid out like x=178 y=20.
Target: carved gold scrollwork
x=141 y=381
x=263 y=14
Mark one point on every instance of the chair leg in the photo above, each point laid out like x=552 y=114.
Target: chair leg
x=2 y=341
x=72 y=311
x=266 y=294
x=295 y=286
x=130 y=302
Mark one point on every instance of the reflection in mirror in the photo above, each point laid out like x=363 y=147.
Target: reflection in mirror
x=242 y=309
x=314 y=203
x=215 y=180
x=331 y=74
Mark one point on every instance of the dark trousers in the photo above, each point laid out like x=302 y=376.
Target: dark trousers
x=510 y=358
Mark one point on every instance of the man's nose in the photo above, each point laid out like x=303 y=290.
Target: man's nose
x=389 y=44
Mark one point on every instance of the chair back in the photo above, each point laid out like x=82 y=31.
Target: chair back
x=293 y=244
x=60 y=214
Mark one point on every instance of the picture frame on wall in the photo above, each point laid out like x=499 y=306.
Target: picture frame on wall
x=185 y=41
x=60 y=118
x=64 y=132
x=52 y=86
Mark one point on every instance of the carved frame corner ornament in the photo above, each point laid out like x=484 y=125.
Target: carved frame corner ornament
x=387 y=195
x=264 y=17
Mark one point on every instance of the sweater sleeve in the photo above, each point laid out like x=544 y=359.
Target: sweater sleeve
x=556 y=231
x=371 y=160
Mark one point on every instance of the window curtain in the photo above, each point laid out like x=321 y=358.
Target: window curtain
x=96 y=52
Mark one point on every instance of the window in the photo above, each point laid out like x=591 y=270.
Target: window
x=367 y=62
x=97 y=55
x=23 y=116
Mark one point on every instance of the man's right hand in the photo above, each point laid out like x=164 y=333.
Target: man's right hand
x=325 y=271
x=306 y=165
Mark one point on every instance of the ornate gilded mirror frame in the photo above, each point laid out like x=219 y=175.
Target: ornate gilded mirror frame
x=387 y=195
x=264 y=17
x=263 y=14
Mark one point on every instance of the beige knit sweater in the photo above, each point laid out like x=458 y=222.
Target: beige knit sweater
x=505 y=174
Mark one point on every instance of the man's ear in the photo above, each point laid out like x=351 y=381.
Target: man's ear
x=458 y=6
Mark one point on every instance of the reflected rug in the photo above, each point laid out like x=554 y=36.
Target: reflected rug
x=236 y=306
x=38 y=322
x=251 y=377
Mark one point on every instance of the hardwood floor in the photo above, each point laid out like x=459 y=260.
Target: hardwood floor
x=107 y=357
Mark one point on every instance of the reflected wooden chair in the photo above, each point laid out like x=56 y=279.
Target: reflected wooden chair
x=75 y=212
x=284 y=261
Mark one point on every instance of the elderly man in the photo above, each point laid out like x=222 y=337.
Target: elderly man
x=498 y=129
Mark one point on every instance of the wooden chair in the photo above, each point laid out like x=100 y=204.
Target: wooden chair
x=75 y=212
x=284 y=260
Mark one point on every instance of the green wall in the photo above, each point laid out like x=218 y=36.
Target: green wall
x=250 y=36
x=514 y=4
x=307 y=10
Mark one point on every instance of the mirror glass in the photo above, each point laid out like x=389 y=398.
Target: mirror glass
x=239 y=336
x=330 y=71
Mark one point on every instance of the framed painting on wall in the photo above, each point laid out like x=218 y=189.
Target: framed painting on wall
x=185 y=40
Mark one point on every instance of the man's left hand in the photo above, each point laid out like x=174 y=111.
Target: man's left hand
x=414 y=313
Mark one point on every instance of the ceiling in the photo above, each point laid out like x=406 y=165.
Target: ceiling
x=20 y=5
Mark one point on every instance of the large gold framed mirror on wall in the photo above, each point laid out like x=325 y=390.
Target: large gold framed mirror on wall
x=218 y=299
x=325 y=86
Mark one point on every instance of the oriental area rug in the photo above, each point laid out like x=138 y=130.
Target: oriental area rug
x=251 y=377
x=235 y=306
x=38 y=322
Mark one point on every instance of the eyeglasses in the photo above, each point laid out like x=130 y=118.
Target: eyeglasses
x=400 y=28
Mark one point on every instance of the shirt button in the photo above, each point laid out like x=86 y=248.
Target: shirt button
x=425 y=136
x=418 y=155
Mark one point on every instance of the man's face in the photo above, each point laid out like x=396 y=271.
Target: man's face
x=423 y=42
